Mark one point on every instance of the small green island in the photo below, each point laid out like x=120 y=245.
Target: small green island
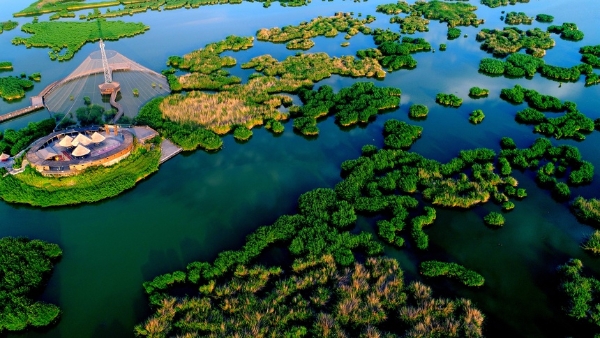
x=451 y=270
x=518 y=18
x=498 y=3
x=8 y=25
x=476 y=116
x=418 y=111
x=502 y=42
x=448 y=100
x=478 y=92
x=567 y=31
x=25 y=267
x=13 y=87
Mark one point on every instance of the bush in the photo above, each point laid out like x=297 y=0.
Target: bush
x=494 y=218
x=476 y=116
x=448 y=100
x=418 y=111
x=452 y=270
x=453 y=33
x=242 y=133
x=26 y=266
x=592 y=243
x=478 y=92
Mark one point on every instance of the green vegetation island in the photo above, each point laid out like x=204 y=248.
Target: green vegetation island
x=324 y=269
x=66 y=38
x=452 y=270
x=8 y=25
x=13 y=87
x=323 y=248
x=25 y=266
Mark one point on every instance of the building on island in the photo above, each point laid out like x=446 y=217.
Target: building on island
x=68 y=152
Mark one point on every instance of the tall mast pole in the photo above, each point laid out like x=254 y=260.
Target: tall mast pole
x=107 y=73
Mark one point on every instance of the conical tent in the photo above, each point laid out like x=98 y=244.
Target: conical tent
x=81 y=139
x=66 y=142
x=97 y=138
x=80 y=151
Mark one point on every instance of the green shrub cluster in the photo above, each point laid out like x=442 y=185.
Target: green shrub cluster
x=321 y=26
x=516 y=18
x=518 y=94
x=13 y=141
x=443 y=47
x=544 y=18
x=453 y=33
x=6 y=65
x=71 y=36
x=418 y=223
x=478 y=92
x=581 y=292
x=275 y=126
x=357 y=103
x=206 y=65
x=567 y=31
x=511 y=40
x=380 y=36
x=187 y=136
x=8 y=25
x=242 y=133
x=452 y=270
x=592 y=243
x=552 y=164
x=452 y=13
x=494 y=218
x=591 y=56
x=498 y=3
x=394 y=8
x=322 y=242
x=448 y=100
x=411 y=23
x=587 y=210
x=25 y=266
x=476 y=116
x=393 y=55
x=12 y=87
x=417 y=111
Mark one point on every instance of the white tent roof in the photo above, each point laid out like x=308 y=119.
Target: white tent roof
x=46 y=153
x=80 y=151
x=66 y=142
x=97 y=138
x=81 y=139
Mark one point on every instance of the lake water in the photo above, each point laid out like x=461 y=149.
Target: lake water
x=199 y=204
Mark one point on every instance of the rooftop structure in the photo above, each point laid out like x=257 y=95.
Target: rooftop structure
x=69 y=152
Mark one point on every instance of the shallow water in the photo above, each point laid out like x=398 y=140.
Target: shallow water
x=198 y=203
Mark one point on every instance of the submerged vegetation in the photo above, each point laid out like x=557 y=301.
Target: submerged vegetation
x=66 y=38
x=452 y=270
x=94 y=184
x=25 y=265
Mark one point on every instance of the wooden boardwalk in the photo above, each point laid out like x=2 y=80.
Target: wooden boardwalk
x=37 y=103
x=168 y=150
